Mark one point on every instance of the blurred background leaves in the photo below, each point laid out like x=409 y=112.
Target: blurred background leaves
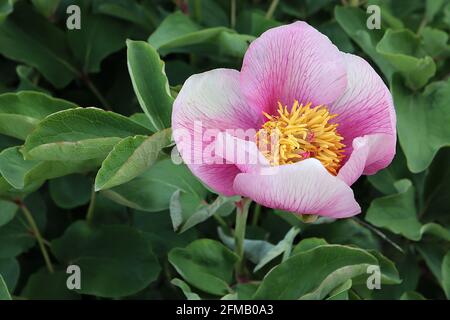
x=96 y=187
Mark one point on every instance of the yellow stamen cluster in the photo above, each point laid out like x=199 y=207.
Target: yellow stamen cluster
x=301 y=133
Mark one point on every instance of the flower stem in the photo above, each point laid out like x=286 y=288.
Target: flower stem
x=256 y=214
x=197 y=10
x=422 y=25
x=38 y=236
x=239 y=236
x=90 y=211
x=272 y=9
x=233 y=14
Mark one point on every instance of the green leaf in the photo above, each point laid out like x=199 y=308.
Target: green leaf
x=283 y=247
x=150 y=83
x=422 y=121
x=396 y=212
x=4 y=294
x=308 y=244
x=446 y=275
x=254 y=250
x=304 y=8
x=21 y=112
x=129 y=158
x=152 y=190
x=343 y=231
x=70 y=191
x=178 y=32
x=107 y=212
x=208 y=13
x=114 y=252
x=254 y=23
x=43 y=285
x=183 y=219
x=337 y=35
x=143 y=120
x=6 y=7
x=341 y=292
x=21 y=173
x=46 y=7
x=353 y=21
x=206 y=264
x=315 y=273
x=185 y=288
x=384 y=179
x=435 y=230
x=389 y=273
x=10 y=271
x=402 y=48
x=433 y=254
x=25 y=29
x=409 y=272
x=446 y=15
x=28 y=76
x=432 y=7
x=434 y=42
x=78 y=134
x=412 y=295
x=173 y=30
x=388 y=14
x=98 y=37
x=437 y=187
x=8 y=211
x=140 y=14
x=245 y=291
x=7 y=191
x=157 y=228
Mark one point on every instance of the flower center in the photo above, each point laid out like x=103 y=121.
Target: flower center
x=301 y=133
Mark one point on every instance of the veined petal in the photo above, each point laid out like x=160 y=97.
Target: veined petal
x=370 y=153
x=305 y=187
x=242 y=153
x=292 y=62
x=210 y=103
x=366 y=108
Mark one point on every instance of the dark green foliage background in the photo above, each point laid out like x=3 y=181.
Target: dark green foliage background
x=150 y=230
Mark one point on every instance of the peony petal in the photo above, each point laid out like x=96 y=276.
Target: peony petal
x=366 y=108
x=292 y=62
x=370 y=153
x=305 y=187
x=207 y=104
x=244 y=154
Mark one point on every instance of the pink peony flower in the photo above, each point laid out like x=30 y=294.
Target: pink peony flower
x=331 y=113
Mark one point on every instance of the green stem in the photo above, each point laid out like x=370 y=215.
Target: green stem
x=272 y=8
x=90 y=212
x=423 y=24
x=379 y=233
x=221 y=221
x=233 y=14
x=239 y=236
x=198 y=10
x=256 y=214
x=38 y=236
